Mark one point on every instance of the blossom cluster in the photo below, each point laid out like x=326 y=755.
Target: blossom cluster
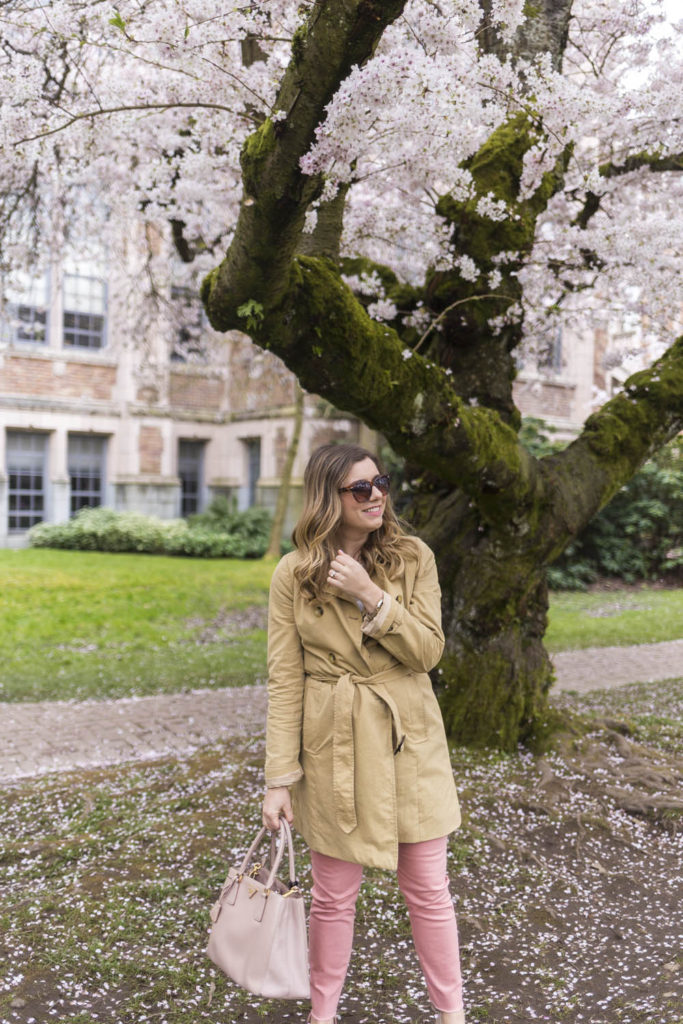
x=139 y=112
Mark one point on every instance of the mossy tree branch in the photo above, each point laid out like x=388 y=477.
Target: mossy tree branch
x=654 y=162
x=326 y=337
x=337 y=35
x=613 y=445
x=325 y=238
x=479 y=356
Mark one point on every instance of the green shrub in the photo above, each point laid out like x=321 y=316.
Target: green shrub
x=210 y=535
x=219 y=516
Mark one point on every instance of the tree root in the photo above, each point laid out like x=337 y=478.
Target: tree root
x=643 y=782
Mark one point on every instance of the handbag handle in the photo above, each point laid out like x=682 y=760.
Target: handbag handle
x=285 y=837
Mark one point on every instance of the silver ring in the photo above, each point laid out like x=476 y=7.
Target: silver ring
x=332 y=573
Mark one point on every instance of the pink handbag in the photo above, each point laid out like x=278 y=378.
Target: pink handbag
x=258 y=936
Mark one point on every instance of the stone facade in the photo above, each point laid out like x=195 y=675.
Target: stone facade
x=109 y=420
x=135 y=427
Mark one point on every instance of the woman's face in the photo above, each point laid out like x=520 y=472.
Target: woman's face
x=362 y=516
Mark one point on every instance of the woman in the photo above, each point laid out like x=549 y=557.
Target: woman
x=354 y=730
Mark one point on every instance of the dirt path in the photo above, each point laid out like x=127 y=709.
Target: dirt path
x=57 y=736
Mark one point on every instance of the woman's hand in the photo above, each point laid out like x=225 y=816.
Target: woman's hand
x=349 y=577
x=277 y=803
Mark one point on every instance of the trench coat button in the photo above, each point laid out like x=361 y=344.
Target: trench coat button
x=318 y=610
x=399 y=598
x=333 y=657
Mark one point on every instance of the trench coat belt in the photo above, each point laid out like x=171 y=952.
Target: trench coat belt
x=343 y=754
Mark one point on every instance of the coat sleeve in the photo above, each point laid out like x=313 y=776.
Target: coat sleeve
x=413 y=635
x=285 y=683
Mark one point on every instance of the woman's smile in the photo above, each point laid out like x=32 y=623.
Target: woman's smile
x=361 y=517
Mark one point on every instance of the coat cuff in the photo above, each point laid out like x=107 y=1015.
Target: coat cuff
x=285 y=780
x=387 y=620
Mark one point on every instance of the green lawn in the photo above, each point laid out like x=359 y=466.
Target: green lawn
x=620 y=617
x=79 y=624
x=88 y=624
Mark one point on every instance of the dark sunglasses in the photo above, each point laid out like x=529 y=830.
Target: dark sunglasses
x=362 y=489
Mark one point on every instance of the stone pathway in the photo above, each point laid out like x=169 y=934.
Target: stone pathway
x=59 y=735
x=600 y=668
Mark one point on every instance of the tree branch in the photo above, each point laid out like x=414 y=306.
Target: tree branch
x=325 y=238
x=614 y=443
x=544 y=30
x=459 y=302
x=655 y=163
x=338 y=35
x=324 y=335
x=88 y=114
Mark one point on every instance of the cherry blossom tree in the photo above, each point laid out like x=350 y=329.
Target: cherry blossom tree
x=404 y=196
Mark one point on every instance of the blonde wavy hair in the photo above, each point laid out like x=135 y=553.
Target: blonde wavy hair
x=315 y=532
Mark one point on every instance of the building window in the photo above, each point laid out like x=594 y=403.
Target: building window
x=188 y=325
x=86 y=459
x=190 y=471
x=252 y=450
x=26 y=311
x=552 y=359
x=85 y=309
x=26 y=455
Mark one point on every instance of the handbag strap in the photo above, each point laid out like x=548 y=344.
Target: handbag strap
x=285 y=837
x=275 y=861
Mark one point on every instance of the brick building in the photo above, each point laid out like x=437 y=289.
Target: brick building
x=89 y=415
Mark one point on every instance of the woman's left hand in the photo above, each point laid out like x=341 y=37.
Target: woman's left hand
x=350 y=578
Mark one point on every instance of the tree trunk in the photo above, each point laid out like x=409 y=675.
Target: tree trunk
x=494 y=676
x=274 y=546
x=494 y=515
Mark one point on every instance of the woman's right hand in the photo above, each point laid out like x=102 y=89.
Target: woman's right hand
x=277 y=803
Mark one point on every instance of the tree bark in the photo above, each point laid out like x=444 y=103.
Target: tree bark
x=494 y=515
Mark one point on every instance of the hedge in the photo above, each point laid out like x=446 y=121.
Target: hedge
x=221 y=532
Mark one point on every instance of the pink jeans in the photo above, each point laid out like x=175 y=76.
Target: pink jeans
x=424 y=884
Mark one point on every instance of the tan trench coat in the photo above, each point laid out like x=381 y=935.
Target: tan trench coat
x=353 y=724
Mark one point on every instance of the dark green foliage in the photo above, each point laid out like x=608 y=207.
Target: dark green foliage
x=637 y=536
x=534 y=435
x=220 y=532
x=221 y=516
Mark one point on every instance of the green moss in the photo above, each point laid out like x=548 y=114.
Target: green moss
x=320 y=303
x=497 y=165
x=207 y=286
x=255 y=151
x=493 y=697
x=629 y=427
x=497 y=168
x=403 y=295
x=299 y=43
x=360 y=265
